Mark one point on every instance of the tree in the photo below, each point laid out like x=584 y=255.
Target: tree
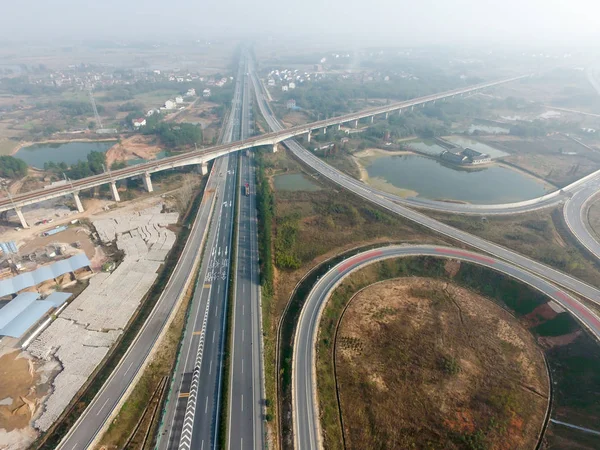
x=11 y=167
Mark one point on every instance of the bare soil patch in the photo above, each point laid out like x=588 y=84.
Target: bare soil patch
x=422 y=363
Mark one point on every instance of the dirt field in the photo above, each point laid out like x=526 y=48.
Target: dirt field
x=135 y=147
x=425 y=364
x=543 y=157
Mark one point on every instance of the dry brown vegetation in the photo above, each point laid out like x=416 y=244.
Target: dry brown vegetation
x=422 y=363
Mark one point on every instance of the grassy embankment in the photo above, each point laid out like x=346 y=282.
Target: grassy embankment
x=541 y=235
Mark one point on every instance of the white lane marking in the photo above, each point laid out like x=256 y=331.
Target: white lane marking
x=100 y=410
x=243 y=310
x=210 y=368
x=75 y=445
x=216 y=310
x=218 y=288
x=202 y=445
x=241 y=443
x=206 y=405
x=243 y=288
x=128 y=369
x=242 y=365
x=214 y=335
x=243 y=335
x=242 y=402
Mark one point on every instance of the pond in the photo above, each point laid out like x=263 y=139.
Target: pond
x=294 y=182
x=68 y=152
x=431 y=179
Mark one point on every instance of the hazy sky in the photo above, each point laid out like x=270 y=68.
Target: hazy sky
x=403 y=21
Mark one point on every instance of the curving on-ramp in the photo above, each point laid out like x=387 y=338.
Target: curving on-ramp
x=305 y=409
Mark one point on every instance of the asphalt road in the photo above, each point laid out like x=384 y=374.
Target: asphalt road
x=383 y=201
x=245 y=427
x=192 y=413
x=307 y=432
x=575 y=213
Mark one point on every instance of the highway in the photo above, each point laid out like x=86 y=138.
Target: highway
x=191 y=419
x=245 y=418
x=384 y=201
x=307 y=431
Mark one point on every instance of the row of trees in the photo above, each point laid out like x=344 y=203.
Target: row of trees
x=11 y=167
x=265 y=206
x=174 y=135
x=93 y=165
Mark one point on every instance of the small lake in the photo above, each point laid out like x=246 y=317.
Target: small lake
x=476 y=145
x=435 y=181
x=294 y=182
x=69 y=152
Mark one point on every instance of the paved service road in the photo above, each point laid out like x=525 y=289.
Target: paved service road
x=304 y=396
x=192 y=413
x=383 y=201
x=245 y=418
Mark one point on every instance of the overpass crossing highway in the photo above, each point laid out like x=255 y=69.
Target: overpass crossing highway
x=202 y=156
x=305 y=408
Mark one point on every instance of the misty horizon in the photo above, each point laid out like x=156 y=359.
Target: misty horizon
x=533 y=23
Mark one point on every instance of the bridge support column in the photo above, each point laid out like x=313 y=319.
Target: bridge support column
x=324 y=130
x=372 y=119
x=78 y=202
x=386 y=116
x=308 y=137
x=339 y=126
x=114 y=192
x=400 y=111
x=21 y=217
x=356 y=123
x=274 y=148
x=204 y=168
x=148 y=182
x=412 y=107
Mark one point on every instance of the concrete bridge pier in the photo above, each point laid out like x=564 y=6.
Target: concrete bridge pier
x=275 y=148
x=372 y=119
x=78 y=202
x=386 y=116
x=148 y=182
x=308 y=137
x=114 y=191
x=356 y=123
x=204 y=168
x=21 y=218
x=324 y=130
x=339 y=126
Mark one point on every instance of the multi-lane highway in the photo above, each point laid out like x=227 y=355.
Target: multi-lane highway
x=192 y=416
x=245 y=417
x=385 y=202
x=307 y=432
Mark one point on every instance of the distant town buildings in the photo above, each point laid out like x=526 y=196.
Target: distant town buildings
x=169 y=104
x=291 y=104
x=206 y=93
x=178 y=100
x=191 y=93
